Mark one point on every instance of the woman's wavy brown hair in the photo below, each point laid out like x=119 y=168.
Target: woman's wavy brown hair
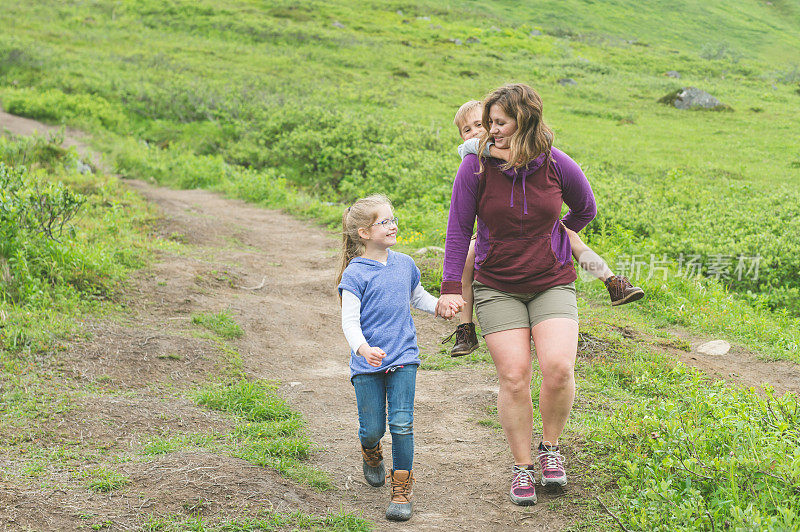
x=532 y=137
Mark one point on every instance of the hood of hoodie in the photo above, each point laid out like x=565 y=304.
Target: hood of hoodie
x=372 y=263
x=523 y=172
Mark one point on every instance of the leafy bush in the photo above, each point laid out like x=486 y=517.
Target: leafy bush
x=54 y=105
x=32 y=219
x=46 y=258
x=691 y=455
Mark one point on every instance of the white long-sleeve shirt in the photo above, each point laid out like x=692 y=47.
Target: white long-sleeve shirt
x=351 y=313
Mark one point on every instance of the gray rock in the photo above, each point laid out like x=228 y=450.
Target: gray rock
x=337 y=24
x=535 y=33
x=714 y=348
x=400 y=12
x=424 y=18
x=673 y=74
x=473 y=40
x=434 y=27
x=434 y=249
x=457 y=42
x=495 y=29
x=567 y=81
x=691 y=98
x=84 y=168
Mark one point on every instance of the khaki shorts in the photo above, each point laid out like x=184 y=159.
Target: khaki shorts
x=501 y=311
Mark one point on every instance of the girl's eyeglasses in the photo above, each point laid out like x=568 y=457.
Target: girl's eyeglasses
x=386 y=223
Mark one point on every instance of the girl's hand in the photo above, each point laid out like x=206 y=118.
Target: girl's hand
x=448 y=305
x=451 y=311
x=374 y=355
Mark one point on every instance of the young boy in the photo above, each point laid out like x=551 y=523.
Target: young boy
x=468 y=121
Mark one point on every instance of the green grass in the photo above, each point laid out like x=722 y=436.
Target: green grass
x=220 y=323
x=204 y=85
x=268 y=520
x=104 y=480
x=268 y=433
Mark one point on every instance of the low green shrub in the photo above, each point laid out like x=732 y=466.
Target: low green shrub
x=57 y=106
x=695 y=455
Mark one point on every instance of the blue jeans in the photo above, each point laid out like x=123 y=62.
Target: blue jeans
x=373 y=392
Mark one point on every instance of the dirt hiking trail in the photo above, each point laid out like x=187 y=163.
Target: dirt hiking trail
x=292 y=335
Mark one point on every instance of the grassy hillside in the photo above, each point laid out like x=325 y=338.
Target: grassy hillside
x=343 y=102
x=337 y=102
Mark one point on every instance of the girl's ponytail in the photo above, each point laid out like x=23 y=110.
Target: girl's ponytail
x=360 y=215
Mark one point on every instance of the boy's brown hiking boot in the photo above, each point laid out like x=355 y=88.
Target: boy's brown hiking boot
x=622 y=291
x=374 y=471
x=400 y=506
x=466 y=340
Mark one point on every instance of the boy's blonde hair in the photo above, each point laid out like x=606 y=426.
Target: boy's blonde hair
x=361 y=214
x=463 y=111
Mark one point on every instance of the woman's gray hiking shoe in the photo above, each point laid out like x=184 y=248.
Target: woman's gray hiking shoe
x=523 y=486
x=400 y=506
x=374 y=471
x=552 y=463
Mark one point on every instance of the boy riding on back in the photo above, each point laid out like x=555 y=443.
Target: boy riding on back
x=620 y=290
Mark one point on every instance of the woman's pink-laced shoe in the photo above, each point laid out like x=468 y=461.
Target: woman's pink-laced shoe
x=523 y=486
x=552 y=463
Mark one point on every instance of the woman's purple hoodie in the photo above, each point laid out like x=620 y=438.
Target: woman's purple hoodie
x=521 y=246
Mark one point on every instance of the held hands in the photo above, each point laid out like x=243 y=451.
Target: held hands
x=449 y=305
x=374 y=355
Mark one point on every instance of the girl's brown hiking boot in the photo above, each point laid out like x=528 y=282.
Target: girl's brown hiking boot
x=374 y=471
x=466 y=340
x=622 y=291
x=400 y=506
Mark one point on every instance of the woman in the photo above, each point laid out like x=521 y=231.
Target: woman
x=524 y=277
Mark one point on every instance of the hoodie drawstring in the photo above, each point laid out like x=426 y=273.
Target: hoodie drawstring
x=524 y=194
x=513 y=184
x=524 y=197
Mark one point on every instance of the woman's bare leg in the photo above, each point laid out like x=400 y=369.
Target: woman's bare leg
x=511 y=353
x=556 y=342
x=466 y=284
x=587 y=258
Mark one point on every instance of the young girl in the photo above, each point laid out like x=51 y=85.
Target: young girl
x=377 y=288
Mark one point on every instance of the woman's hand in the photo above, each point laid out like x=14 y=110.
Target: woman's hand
x=374 y=355
x=449 y=305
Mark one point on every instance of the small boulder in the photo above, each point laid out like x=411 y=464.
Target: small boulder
x=673 y=74
x=430 y=249
x=693 y=98
x=567 y=81
x=457 y=42
x=399 y=12
x=714 y=348
x=473 y=40
x=424 y=18
x=337 y=24
x=534 y=33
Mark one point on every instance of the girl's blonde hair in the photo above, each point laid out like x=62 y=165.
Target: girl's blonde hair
x=362 y=213
x=532 y=137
